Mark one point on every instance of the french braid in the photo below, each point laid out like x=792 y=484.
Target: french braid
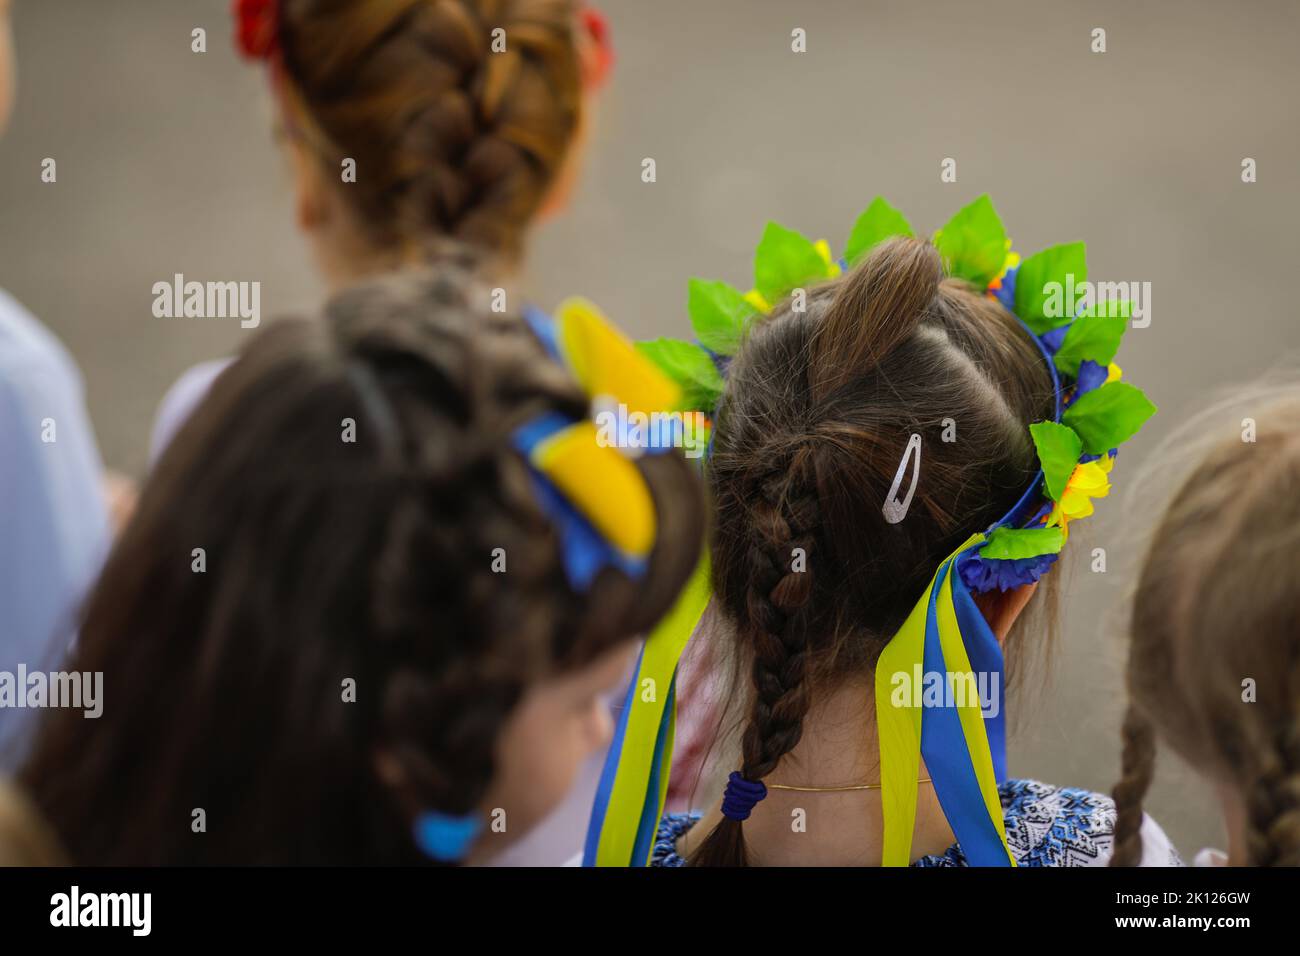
x=451 y=139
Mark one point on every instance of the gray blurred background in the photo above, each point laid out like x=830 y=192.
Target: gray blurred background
x=166 y=165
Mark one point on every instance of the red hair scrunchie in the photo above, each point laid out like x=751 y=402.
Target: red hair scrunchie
x=257 y=27
x=597 y=27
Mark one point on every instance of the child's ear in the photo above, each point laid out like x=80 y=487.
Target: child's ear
x=1001 y=608
x=311 y=201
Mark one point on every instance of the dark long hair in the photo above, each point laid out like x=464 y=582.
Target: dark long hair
x=818 y=409
x=327 y=560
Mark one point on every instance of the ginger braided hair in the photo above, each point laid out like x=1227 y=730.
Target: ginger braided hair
x=329 y=559
x=818 y=408
x=451 y=139
x=1217 y=603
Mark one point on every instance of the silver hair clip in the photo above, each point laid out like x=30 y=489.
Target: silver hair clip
x=895 y=510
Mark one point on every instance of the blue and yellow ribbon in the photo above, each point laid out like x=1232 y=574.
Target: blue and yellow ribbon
x=591 y=489
x=942 y=637
x=964 y=751
x=634 y=782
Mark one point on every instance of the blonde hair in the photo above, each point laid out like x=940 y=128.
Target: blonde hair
x=1217 y=604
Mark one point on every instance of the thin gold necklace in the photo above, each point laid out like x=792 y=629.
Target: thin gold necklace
x=858 y=786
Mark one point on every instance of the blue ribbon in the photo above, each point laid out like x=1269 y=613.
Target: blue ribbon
x=601 y=803
x=947 y=757
x=583 y=549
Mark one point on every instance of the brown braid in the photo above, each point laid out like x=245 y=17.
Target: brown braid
x=1273 y=802
x=450 y=138
x=785 y=518
x=1138 y=768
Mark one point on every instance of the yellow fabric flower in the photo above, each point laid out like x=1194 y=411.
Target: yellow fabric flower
x=1113 y=373
x=1010 y=262
x=832 y=270
x=1090 y=480
x=757 y=301
x=824 y=250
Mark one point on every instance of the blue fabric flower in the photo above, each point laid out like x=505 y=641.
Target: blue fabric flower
x=721 y=362
x=986 y=574
x=1052 y=339
x=1084 y=459
x=1006 y=292
x=1091 y=376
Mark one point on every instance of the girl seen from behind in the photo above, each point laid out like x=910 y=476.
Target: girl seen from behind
x=410 y=139
x=361 y=615
x=1214 y=640
x=896 y=458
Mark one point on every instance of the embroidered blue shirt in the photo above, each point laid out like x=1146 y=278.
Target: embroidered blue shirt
x=1045 y=826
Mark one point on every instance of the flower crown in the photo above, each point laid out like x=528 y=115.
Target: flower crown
x=963 y=747
x=1095 y=411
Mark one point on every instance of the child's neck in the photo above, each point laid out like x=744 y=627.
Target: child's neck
x=837 y=748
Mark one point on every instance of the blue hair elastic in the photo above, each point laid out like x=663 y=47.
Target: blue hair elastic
x=444 y=837
x=740 y=796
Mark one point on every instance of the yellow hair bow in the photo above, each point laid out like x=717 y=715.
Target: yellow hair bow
x=586 y=480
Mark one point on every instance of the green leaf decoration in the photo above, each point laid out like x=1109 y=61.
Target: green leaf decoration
x=1108 y=416
x=690 y=367
x=1038 y=307
x=973 y=243
x=719 y=314
x=1059 y=449
x=1110 y=309
x=878 y=222
x=1012 y=544
x=785 y=260
x=1095 y=335
x=696 y=445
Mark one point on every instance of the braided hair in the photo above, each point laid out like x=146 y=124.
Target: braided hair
x=330 y=560
x=818 y=409
x=1216 y=610
x=451 y=140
